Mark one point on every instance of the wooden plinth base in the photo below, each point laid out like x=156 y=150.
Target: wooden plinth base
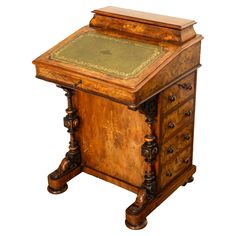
x=138 y=226
x=59 y=185
x=57 y=191
x=137 y=220
x=134 y=220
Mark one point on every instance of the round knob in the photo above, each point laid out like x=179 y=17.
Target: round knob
x=76 y=84
x=186 y=161
x=170 y=149
x=186 y=136
x=169 y=173
x=188 y=113
x=171 y=125
x=189 y=87
x=172 y=98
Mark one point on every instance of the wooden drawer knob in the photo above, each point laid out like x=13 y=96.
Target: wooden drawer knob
x=172 y=98
x=170 y=149
x=168 y=173
x=186 y=137
x=188 y=113
x=187 y=160
x=75 y=85
x=171 y=125
x=186 y=86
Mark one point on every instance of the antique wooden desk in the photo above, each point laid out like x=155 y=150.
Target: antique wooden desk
x=130 y=82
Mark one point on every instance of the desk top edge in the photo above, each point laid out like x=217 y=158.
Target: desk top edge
x=145 y=17
x=140 y=87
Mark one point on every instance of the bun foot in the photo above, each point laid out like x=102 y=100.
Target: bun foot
x=138 y=226
x=57 y=191
x=190 y=179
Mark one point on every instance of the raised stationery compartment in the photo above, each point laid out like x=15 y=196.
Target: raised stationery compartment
x=124 y=55
x=129 y=79
x=155 y=26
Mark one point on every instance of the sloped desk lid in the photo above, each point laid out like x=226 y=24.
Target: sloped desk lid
x=120 y=65
x=119 y=57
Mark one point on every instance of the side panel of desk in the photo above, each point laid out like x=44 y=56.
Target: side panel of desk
x=111 y=137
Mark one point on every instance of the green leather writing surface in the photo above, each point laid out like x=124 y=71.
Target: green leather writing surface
x=109 y=55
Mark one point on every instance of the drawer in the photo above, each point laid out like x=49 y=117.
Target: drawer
x=176 y=144
x=177 y=118
x=178 y=92
x=177 y=166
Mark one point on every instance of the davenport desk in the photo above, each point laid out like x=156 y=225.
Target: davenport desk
x=130 y=82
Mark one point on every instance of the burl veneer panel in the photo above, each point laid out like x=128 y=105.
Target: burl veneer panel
x=111 y=136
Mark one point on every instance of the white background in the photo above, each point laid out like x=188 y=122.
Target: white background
x=33 y=139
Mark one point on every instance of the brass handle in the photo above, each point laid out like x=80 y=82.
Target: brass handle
x=172 y=98
x=171 y=125
x=186 y=137
x=170 y=149
x=186 y=86
x=169 y=173
x=188 y=113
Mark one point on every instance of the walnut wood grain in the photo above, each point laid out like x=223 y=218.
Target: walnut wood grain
x=110 y=136
x=133 y=27
x=131 y=91
x=156 y=26
x=174 y=70
x=175 y=95
x=138 y=220
x=176 y=144
x=176 y=119
x=174 y=167
x=70 y=166
x=144 y=17
x=137 y=132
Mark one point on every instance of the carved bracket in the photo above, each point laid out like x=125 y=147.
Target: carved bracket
x=71 y=121
x=149 y=109
x=149 y=151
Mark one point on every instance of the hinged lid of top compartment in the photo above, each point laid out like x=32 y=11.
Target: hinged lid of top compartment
x=123 y=55
x=144 y=17
x=149 y=25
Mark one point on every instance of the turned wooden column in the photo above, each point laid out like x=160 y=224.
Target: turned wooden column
x=71 y=165
x=127 y=59
x=149 y=151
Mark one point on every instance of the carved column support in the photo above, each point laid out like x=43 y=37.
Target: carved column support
x=70 y=165
x=149 y=151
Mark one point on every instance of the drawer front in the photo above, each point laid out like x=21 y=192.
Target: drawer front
x=175 y=167
x=176 y=144
x=178 y=92
x=177 y=118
